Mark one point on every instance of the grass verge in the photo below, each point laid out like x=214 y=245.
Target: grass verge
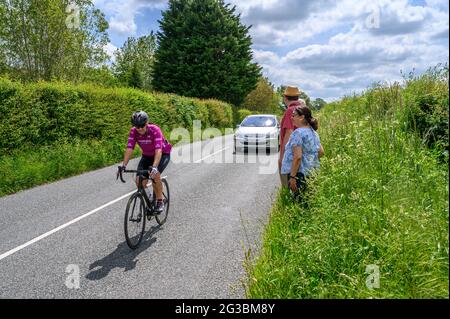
x=378 y=210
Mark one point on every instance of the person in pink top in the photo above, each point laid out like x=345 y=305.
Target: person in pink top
x=291 y=98
x=155 y=153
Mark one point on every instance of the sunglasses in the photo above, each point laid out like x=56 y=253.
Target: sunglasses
x=297 y=112
x=140 y=126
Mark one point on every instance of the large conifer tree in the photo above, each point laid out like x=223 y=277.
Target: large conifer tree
x=204 y=51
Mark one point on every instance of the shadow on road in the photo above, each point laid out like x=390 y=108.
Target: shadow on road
x=256 y=151
x=121 y=257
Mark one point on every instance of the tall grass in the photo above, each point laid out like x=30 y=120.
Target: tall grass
x=381 y=198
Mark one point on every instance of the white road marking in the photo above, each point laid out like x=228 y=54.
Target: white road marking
x=223 y=149
x=14 y=250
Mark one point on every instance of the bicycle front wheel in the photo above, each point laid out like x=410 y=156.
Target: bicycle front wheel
x=161 y=218
x=135 y=220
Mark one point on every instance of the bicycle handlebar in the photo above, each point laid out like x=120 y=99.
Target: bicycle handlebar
x=138 y=171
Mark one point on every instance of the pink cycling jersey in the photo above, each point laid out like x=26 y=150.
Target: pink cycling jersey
x=152 y=140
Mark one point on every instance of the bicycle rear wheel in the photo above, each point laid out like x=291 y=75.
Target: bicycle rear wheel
x=135 y=220
x=161 y=218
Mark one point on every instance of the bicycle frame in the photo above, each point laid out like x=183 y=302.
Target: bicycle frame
x=141 y=189
x=148 y=205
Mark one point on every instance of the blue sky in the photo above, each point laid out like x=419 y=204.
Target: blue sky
x=328 y=48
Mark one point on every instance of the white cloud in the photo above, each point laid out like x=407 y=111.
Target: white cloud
x=328 y=47
x=122 y=13
x=286 y=22
x=353 y=55
x=439 y=4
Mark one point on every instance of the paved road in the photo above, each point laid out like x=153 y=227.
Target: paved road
x=219 y=205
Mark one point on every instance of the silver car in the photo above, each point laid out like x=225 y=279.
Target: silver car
x=260 y=131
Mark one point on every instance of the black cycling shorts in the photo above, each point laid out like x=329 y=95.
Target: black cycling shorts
x=147 y=161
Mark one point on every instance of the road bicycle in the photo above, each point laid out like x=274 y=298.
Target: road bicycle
x=142 y=207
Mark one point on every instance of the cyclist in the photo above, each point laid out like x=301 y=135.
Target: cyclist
x=155 y=153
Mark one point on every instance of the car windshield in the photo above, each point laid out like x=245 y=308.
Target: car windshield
x=259 y=121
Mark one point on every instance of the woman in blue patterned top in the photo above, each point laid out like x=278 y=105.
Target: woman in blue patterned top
x=303 y=150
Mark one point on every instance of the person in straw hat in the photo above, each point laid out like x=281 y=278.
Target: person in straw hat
x=291 y=98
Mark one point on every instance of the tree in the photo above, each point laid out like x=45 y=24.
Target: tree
x=262 y=98
x=135 y=77
x=41 y=40
x=101 y=76
x=136 y=55
x=318 y=103
x=280 y=90
x=204 y=51
x=3 y=65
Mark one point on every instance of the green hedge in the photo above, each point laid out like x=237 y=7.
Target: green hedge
x=243 y=113
x=426 y=99
x=35 y=115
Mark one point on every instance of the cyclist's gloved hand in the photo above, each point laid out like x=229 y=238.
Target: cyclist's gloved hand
x=153 y=171
x=120 y=169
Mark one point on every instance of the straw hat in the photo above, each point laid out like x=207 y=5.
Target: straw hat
x=291 y=91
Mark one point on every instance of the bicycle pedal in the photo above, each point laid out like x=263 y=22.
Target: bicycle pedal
x=149 y=213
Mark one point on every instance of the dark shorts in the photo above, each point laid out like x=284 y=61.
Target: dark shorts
x=299 y=195
x=147 y=161
x=301 y=182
